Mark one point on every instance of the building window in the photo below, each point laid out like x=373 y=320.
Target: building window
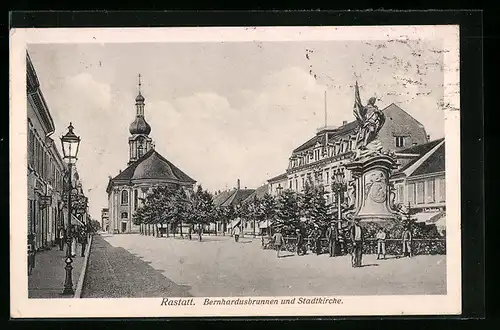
x=442 y=190
x=290 y=184
x=327 y=177
x=296 y=185
x=124 y=215
x=303 y=183
x=136 y=199
x=420 y=192
x=124 y=197
x=31 y=148
x=316 y=154
x=411 y=193
x=400 y=141
x=430 y=191
x=400 y=193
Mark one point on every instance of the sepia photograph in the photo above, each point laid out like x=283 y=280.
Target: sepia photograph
x=239 y=171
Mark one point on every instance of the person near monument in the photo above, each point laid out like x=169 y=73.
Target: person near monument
x=278 y=242
x=332 y=236
x=381 y=235
x=357 y=238
x=407 y=240
x=236 y=233
x=300 y=243
x=316 y=239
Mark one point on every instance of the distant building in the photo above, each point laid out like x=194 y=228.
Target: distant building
x=105 y=219
x=332 y=148
x=146 y=169
x=230 y=198
x=420 y=182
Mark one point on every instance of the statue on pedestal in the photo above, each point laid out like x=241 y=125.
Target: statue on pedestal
x=371 y=167
x=370 y=120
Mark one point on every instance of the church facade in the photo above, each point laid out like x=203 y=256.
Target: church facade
x=145 y=169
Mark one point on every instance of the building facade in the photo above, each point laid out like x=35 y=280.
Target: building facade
x=420 y=182
x=45 y=166
x=317 y=159
x=146 y=169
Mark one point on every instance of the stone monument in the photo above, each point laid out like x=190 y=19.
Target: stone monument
x=371 y=166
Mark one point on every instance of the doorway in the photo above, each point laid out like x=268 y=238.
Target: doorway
x=124 y=227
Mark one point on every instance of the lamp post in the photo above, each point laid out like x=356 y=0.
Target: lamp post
x=338 y=184
x=70 y=145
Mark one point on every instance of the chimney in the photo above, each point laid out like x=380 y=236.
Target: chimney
x=344 y=122
x=238 y=184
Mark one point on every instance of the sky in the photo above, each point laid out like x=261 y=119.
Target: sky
x=222 y=111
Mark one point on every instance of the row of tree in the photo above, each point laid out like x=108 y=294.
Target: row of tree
x=178 y=209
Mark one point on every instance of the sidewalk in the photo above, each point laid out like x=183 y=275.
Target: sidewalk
x=47 y=278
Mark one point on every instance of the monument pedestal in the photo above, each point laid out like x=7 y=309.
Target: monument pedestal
x=372 y=190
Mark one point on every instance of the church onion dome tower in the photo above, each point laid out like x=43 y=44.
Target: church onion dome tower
x=139 y=141
x=139 y=125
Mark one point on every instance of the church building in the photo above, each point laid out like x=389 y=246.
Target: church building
x=146 y=168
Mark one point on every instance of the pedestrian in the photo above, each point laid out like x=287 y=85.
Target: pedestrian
x=332 y=236
x=316 y=238
x=407 y=240
x=74 y=235
x=83 y=238
x=62 y=238
x=236 y=233
x=380 y=243
x=357 y=234
x=278 y=242
x=300 y=243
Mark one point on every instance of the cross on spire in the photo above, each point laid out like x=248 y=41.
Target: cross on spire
x=139 y=82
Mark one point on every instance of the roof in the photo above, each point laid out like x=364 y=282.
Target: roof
x=152 y=165
x=435 y=163
x=342 y=130
x=419 y=150
x=232 y=197
x=278 y=178
x=258 y=193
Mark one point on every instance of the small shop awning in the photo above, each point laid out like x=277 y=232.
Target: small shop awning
x=235 y=222
x=424 y=216
x=264 y=224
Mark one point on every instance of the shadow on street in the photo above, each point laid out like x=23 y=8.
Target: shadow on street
x=113 y=272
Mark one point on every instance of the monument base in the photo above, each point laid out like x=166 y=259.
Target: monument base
x=371 y=175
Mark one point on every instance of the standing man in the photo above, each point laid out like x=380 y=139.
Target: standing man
x=380 y=243
x=357 y=243
x=407 y=238
x=278 y=242
x=83 y=240
x=316 y=237
x=332 y=235
x=300 y=243
x=236 y=233
x=62 y=238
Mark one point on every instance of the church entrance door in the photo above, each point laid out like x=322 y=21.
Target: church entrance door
x=124 y=227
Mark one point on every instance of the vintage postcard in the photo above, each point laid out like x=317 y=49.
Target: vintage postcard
x=267 y=171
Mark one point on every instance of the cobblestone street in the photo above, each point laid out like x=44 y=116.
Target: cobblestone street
x=145 y=266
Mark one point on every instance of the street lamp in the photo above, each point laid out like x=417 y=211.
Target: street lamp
x=70 y=145
x=338 y=183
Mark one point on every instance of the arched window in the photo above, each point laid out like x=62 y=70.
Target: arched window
x=124 y=197
x=124 y=215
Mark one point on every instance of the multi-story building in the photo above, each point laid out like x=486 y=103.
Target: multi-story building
x=420 y=182
x=44 y=164
x=332 y=148
x=146 y=169
x=105 y=219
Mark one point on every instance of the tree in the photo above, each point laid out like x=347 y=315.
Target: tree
x=287 y=212
x=202 y=209
x=268 y=209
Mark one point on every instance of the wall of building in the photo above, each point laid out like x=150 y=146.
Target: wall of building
x=399 y=123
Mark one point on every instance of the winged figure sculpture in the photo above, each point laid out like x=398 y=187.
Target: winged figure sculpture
x=370 y=120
